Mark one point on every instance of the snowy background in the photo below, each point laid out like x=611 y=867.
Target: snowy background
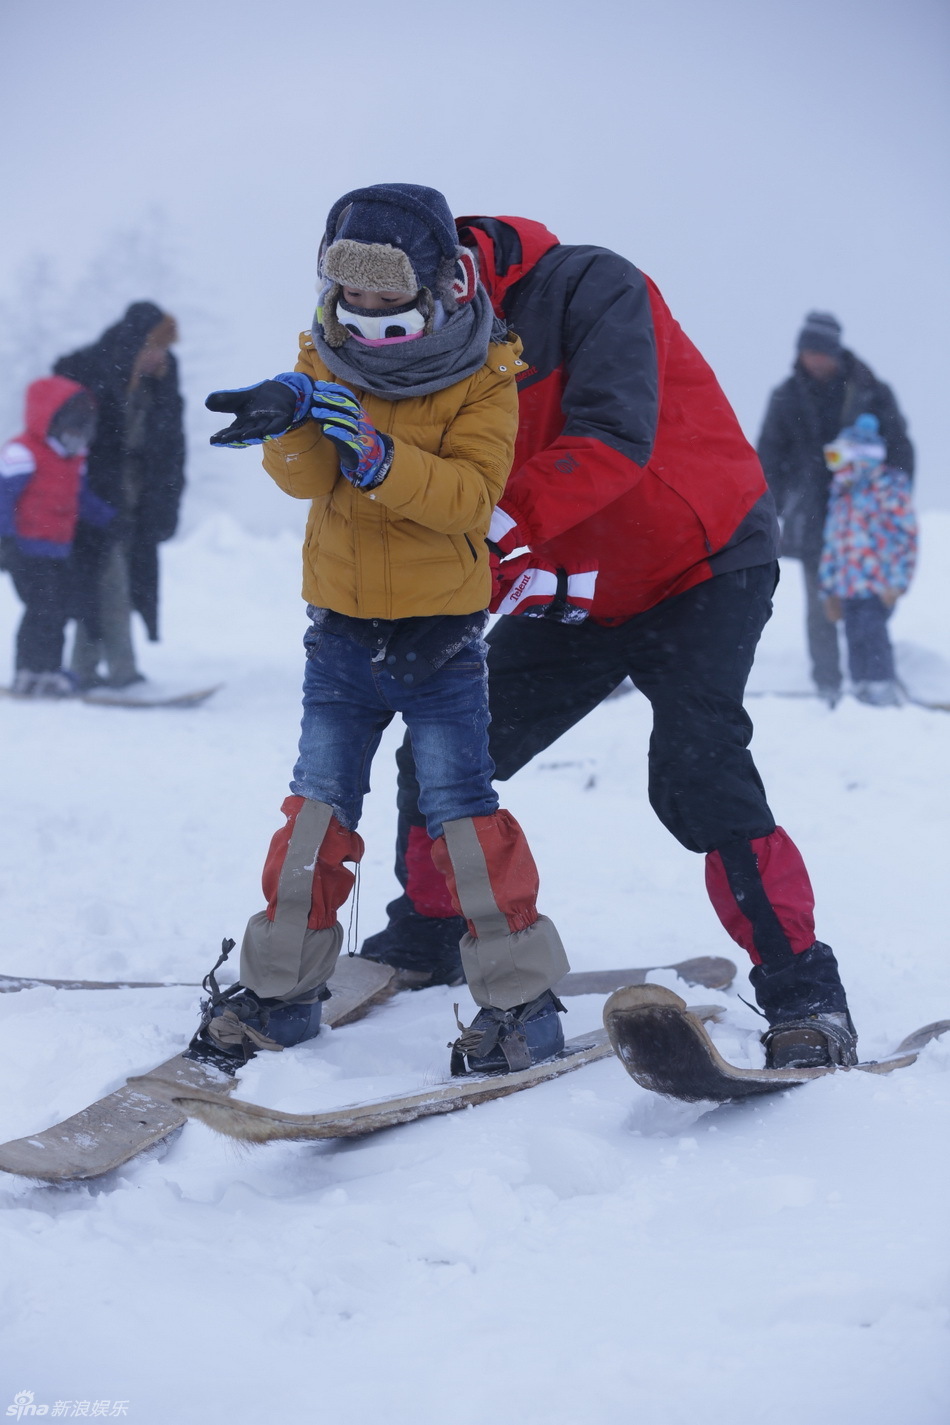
x=583 y=1251
x=756 y=157
x=586 y=1250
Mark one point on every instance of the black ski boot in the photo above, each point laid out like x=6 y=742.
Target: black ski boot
x=804 y=1001
x=501 y=1041
x=423 y=949
x=812 y=1043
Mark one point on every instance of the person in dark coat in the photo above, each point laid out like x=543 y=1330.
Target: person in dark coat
x=136 y=464
x=651 y=540
x=828 y=389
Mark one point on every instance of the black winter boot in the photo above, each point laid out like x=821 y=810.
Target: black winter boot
x=817 y=1042
x=804 y=1001
x=424 y=948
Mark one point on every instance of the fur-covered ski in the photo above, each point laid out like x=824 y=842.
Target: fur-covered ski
x=252 y=1123
x=712 y=971
x=115 y=1129
x=665 y=1046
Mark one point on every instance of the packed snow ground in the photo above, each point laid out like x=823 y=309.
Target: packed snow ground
x=585 y=1251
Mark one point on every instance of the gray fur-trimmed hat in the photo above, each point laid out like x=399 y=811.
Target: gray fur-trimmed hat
x=391 y=236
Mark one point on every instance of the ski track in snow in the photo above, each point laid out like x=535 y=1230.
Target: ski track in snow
x=583 y=1251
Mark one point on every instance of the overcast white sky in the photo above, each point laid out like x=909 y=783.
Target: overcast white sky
x=755 y=157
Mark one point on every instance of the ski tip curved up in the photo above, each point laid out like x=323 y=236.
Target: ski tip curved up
x=665 y=1047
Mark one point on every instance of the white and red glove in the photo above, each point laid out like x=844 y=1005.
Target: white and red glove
x=529 y=583
x=533 y=586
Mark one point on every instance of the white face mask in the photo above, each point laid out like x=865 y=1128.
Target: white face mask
x=380 y=327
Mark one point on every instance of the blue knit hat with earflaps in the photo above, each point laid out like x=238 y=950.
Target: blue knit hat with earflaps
x=408 y=217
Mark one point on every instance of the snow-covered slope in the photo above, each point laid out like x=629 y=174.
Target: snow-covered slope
x=585 y=1251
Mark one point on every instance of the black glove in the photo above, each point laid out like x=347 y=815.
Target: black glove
x=262 y=412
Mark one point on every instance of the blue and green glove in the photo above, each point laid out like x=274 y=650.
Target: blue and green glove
x=365 y=454
x=272 y=408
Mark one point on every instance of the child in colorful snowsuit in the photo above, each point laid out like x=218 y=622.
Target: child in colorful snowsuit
x=398 y=424
x=43 y=496
x=870 y=547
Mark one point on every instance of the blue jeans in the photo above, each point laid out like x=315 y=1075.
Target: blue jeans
x=348 y=701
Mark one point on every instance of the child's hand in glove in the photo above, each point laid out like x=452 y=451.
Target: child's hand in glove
x=365 y=454
x=262 y=412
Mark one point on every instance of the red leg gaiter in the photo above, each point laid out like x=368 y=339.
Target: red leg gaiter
x=494 y=869
x=332 y=883
x=761 y=892
x=425 y=883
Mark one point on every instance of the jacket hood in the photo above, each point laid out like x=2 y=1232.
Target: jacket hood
x=43 y=399
x=507 y=247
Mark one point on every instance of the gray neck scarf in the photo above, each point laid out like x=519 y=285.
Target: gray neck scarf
x=417 y=368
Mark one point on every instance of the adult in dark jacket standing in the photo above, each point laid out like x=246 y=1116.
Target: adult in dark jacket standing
x=828 y=389
x=652 y=539
x=136 y=463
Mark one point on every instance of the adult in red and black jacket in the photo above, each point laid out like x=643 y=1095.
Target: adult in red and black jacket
x=652 y=542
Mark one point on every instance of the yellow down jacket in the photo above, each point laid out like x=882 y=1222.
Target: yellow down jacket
x=414 y=546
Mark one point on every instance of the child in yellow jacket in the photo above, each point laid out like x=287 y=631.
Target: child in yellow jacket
x=398 y=424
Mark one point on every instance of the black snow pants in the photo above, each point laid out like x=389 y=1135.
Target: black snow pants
x=690 y=656
x=44 y=585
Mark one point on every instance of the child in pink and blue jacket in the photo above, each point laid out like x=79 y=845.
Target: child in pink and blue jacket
x=43 y=496
x=870 y=548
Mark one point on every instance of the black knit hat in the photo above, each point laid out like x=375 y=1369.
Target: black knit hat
x=821 y=332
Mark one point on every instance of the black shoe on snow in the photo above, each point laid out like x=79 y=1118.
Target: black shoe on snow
x=236 y=1023
x=423 y=949
x=501 y=1041
x=818 y=1041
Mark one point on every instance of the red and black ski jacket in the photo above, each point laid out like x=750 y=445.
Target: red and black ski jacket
x=630 y=464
